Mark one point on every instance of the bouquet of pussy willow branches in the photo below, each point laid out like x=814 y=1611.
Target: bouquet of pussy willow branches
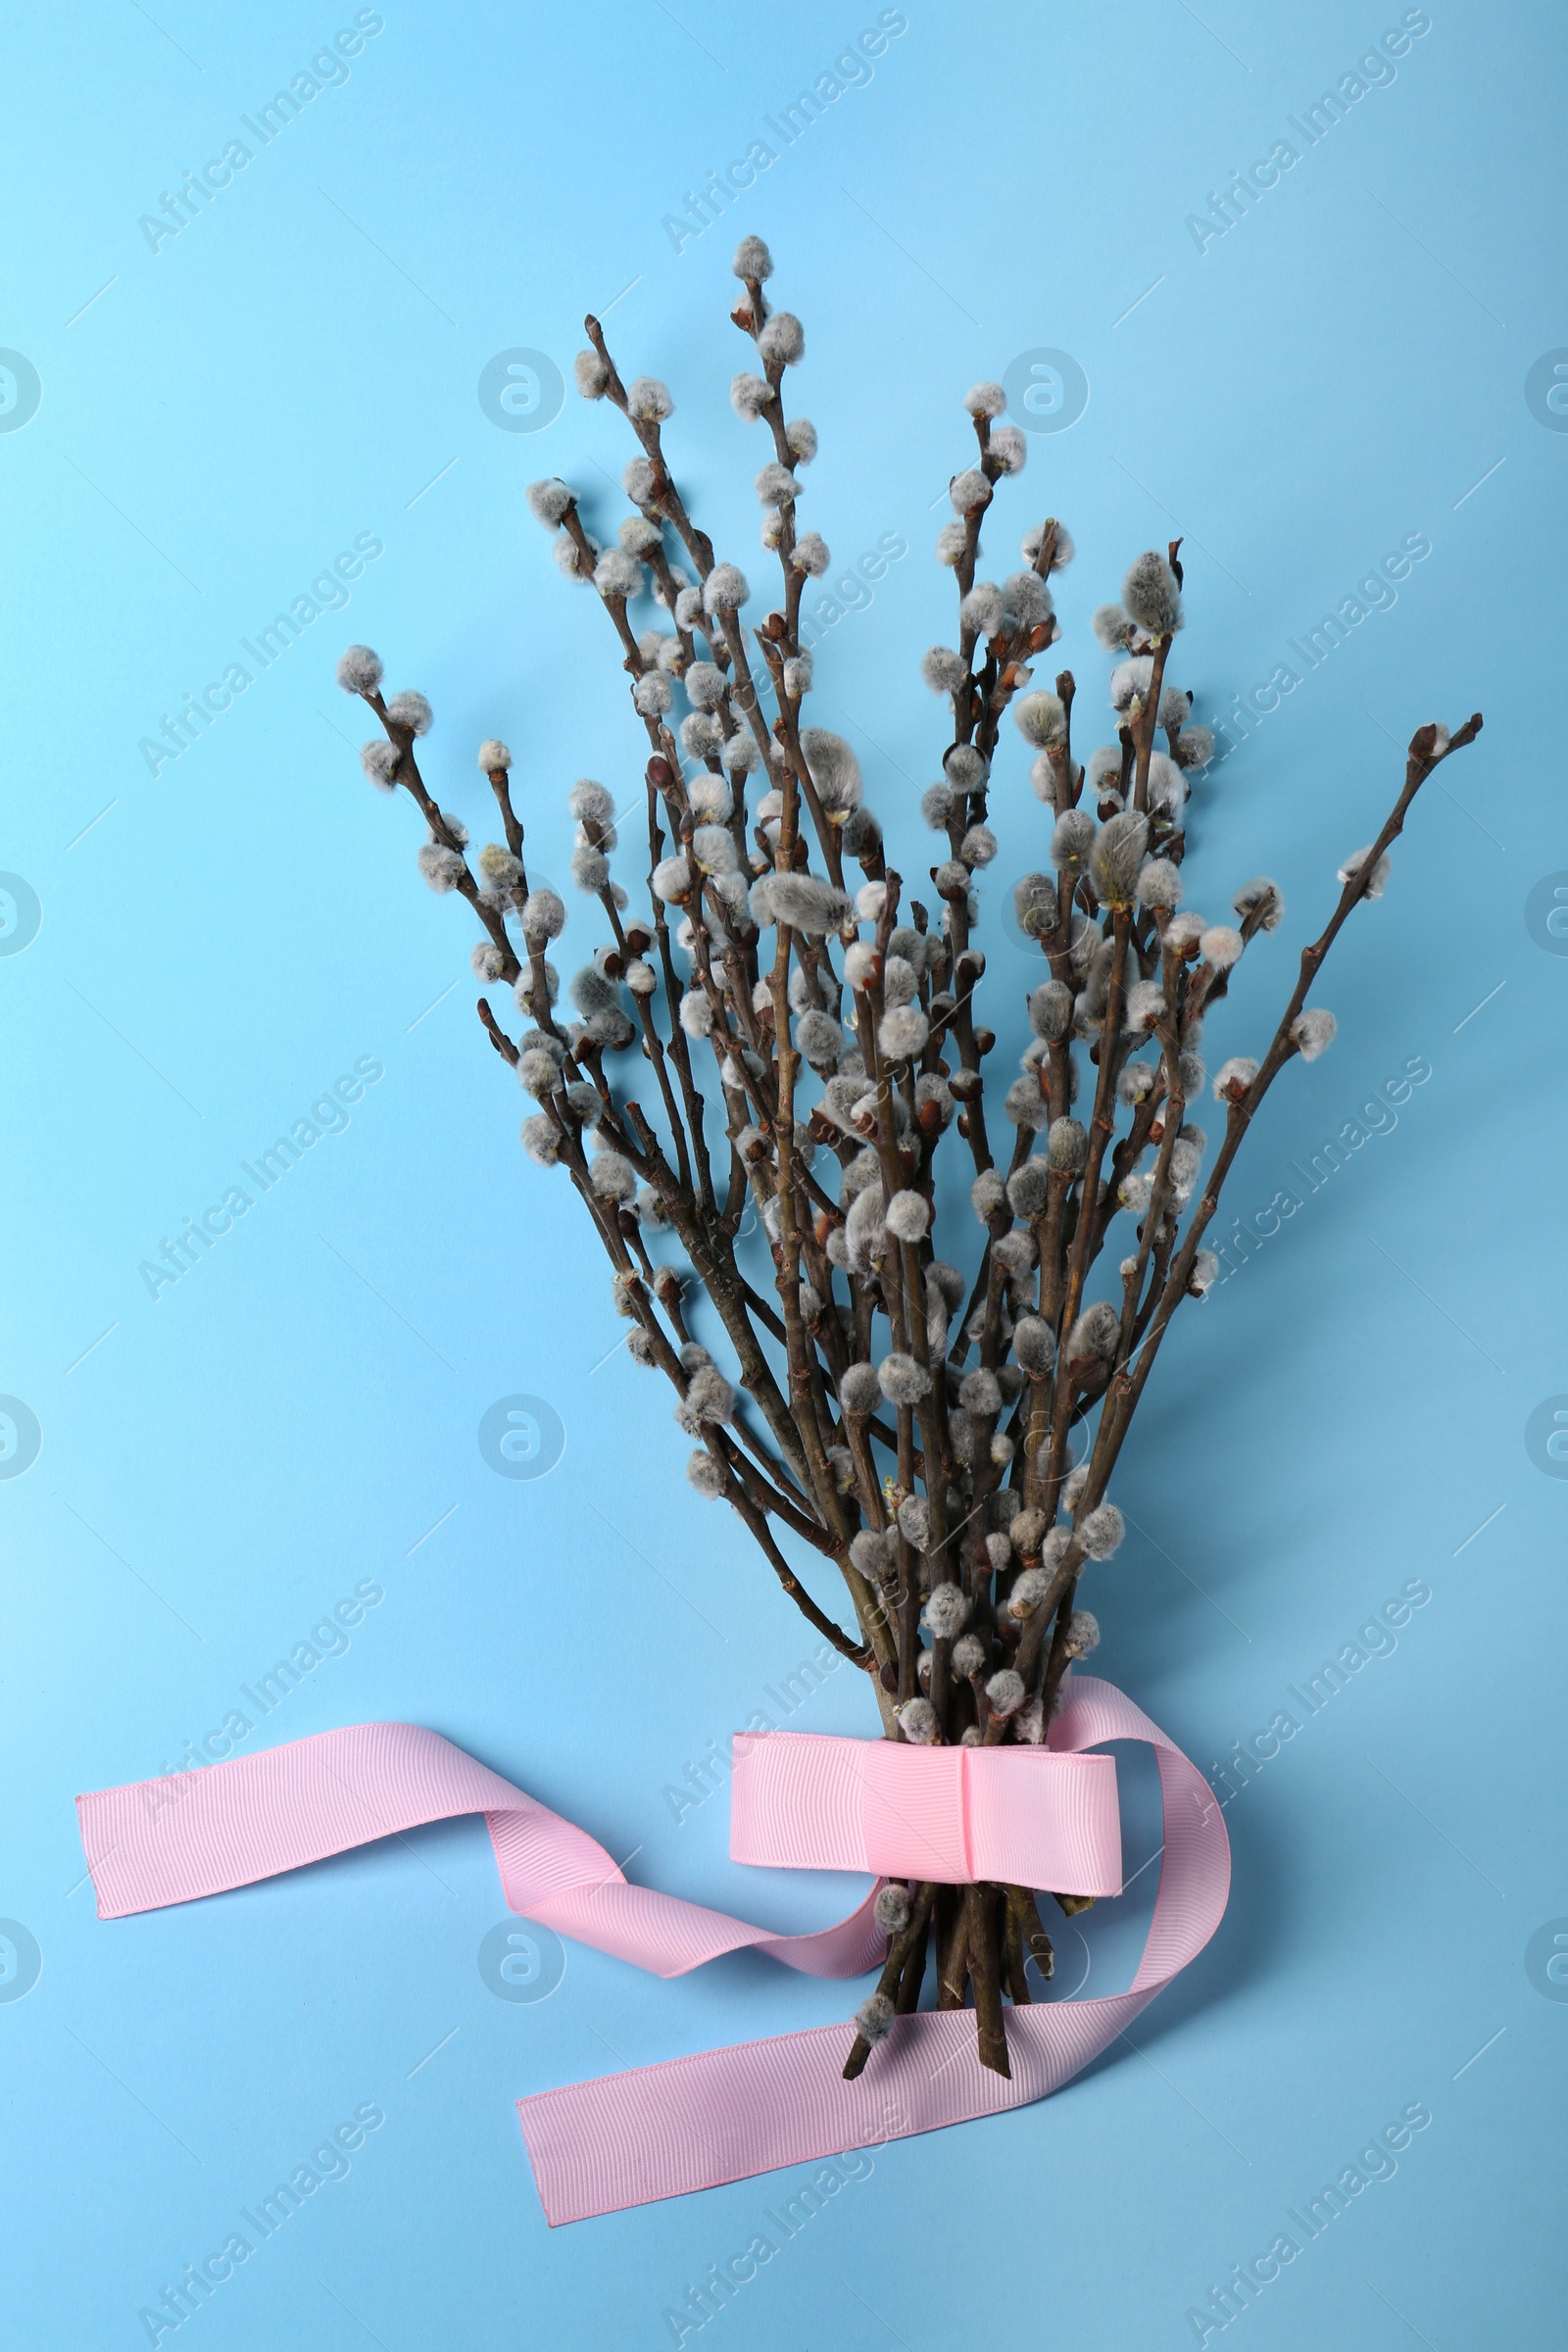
x=811 y=1049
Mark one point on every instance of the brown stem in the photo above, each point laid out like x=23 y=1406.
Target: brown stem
x=901 y=1952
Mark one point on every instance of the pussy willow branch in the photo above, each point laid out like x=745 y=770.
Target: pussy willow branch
x=908 y=1422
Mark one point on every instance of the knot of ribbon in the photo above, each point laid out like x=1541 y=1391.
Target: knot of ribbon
x=1038 y=1817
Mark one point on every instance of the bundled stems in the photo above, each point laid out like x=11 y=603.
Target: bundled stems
x=820 y=1038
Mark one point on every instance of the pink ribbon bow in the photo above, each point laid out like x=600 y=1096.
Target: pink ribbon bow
x=1035 y=1817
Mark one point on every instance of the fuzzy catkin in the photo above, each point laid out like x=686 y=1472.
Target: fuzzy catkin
x=917 y=1719
x=358 y=670
x=947 y=1611
x=904 y=1382
x=1118 y=857
x=1150 y=596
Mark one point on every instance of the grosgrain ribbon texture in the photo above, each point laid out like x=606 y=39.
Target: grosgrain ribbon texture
x=1029 y=1817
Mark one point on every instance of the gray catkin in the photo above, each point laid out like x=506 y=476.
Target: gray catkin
x=358 y=670
x=1005 y=1693
x=1151 y=595
x=1117 y=857
x=1096 y=1332
x=707 y=1475
x=1027 y=1187
x=947 y=1611
x=1066 y=1148
x=1033 y=1343
x=904 y=1382
x=968 y=1656
x=1072 y=841
x=917 y=1720
x=987 y=1194
x=1100 y=1534
x=891 y=1909
x=915 y=1521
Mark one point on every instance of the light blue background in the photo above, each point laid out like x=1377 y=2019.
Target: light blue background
x=1343 y=368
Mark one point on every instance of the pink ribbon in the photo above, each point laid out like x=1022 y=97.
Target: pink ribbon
x=1036 y=1817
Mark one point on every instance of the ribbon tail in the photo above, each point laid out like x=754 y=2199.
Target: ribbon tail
x=725 y=2115
x=722 y=2114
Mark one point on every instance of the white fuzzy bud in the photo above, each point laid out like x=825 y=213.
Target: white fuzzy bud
x=544 y=915
x=539 y=1071
x=412 y=711
x=776 y=486
x=782 y=340
x=549 y=500
x=540 y=1140
x=917 y=1720
x=909 y=1216
x=1083 y=1634
x=902 y=1381
x=1353 y=868
x=987 y=1194
x=1005 y=1693
x=1159 y=884
x=833 y=769
x=1312 y=1032
x=947 y=1611
x=1150 y=596
x=873 y=2020
x=1034 y=1344
x=1129 y=685
x=379 y=760
x=443 y=868
x=983 y=608
x=1234 y=1077
x=618 y=575
x=649 y=400
x=891 y=1909
x=713 y=848
x=1041 y=720
x=1100 y=1534
x=968 y=1656
x=752 y=260
x=1009 y=448
x=707 y=1475
x=902 y=1032
x=1256 y=893
x=358 y=670
x=569 y=558
x=725 y=589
